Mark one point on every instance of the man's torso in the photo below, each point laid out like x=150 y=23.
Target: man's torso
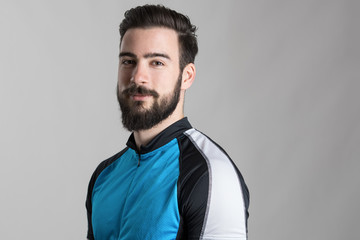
x=174 y=191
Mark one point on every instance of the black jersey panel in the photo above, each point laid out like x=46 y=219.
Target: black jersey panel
x=193 y=185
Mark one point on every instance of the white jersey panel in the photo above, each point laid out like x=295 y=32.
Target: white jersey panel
x=226 y=209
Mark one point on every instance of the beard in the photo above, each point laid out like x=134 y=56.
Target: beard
x=136 y=117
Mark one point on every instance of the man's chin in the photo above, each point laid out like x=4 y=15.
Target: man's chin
x=139 y=106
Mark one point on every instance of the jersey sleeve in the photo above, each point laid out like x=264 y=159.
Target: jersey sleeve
x=214 y=199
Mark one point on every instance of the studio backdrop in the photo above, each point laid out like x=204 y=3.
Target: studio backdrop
x=277 y=86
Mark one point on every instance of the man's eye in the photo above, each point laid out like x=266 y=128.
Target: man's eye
x=157 y=63
x=127 y=62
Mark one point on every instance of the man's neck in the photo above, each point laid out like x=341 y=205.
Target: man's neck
x=143 y=137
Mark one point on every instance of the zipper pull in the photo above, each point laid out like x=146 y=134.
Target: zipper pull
x=139 y=160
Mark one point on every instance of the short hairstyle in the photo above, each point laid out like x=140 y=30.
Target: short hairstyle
x=159 y=16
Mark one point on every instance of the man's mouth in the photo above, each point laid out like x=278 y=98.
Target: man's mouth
x=140 y=97
x=139 y=93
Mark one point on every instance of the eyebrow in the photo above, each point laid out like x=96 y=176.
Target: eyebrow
x=151 y=55
x=127 y=54
x=148 y=55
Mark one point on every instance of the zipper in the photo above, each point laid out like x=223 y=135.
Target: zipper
x=139 y=160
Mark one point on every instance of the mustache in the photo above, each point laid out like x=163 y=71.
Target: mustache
x=135 y=89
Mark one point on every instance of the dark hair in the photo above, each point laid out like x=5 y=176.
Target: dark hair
x=159 y=16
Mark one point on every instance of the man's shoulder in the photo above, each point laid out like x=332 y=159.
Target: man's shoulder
x=200 y=154
x=204 y=143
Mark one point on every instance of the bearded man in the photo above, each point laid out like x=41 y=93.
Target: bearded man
x=170 y=181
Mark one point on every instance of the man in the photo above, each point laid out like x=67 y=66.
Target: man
x=171 y=181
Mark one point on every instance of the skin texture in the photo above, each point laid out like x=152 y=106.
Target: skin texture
x=150 y=58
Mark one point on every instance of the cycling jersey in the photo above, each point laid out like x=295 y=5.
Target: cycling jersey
x=181 y=185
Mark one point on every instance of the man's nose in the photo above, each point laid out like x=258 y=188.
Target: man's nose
x=140 y=74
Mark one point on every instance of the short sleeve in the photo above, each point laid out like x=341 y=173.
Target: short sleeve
x=214 y=193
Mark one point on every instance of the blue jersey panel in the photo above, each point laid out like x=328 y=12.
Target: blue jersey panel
x=125 y=196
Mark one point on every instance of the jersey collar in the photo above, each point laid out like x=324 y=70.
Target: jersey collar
x=168 y=134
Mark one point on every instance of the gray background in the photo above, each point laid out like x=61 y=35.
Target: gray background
x=277 y=87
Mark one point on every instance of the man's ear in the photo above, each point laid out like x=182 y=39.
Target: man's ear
x=188 y=76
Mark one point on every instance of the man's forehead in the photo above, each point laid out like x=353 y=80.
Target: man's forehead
x=150 y=40
x=144 y=30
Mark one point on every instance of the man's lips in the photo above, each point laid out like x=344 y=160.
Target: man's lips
x=139 y=93
x=140 y=97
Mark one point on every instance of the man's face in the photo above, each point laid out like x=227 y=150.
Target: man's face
x=149 y=78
